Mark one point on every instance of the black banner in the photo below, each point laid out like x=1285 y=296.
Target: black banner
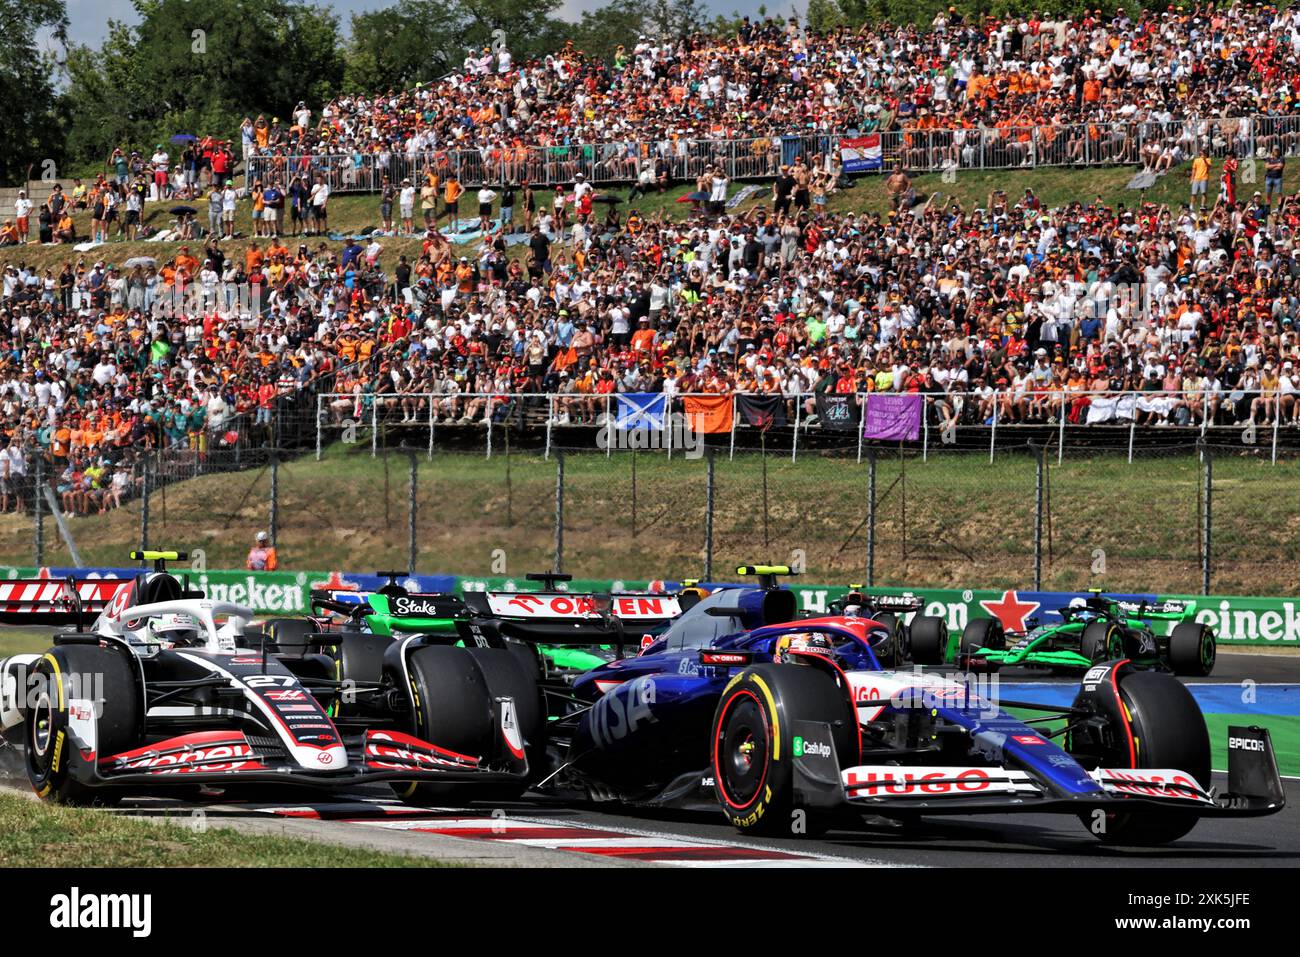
x=837 y=411
x=761 y=411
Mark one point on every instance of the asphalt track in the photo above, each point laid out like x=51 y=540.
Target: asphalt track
x=541 y=832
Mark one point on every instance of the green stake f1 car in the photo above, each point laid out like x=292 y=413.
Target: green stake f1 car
x=1093 y=629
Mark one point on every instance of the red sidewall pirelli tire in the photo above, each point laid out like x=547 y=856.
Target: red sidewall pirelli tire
x=453 y=691
x=106 y=676
x=752 y=743
x=1192 y=649
x=1168 y=732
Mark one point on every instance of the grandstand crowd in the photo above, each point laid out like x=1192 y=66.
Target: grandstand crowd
x=1008 y=309
x=1043 y=85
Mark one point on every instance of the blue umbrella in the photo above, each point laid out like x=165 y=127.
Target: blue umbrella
x=183 y=138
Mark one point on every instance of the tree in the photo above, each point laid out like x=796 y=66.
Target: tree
x=30 y=127
x=396 y=46
x=676 y=18
x=600 y=31
x=198 y=66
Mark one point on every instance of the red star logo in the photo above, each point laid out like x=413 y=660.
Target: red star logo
x=336 y=583
x=1011 y=611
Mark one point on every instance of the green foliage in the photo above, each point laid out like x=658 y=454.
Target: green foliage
x=29 y=124
x=198 y=67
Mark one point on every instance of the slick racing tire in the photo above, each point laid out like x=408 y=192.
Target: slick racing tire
x=287 y=636
x=896 y=651
x=105 y=676
x=1168 y=731
x=1192 y=649
x=1102 y=641
x=453 y=691
x=982 y=633
x=752 y=743
x=929 y=640
x=359 y=658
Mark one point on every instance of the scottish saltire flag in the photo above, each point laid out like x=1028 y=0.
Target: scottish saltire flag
x=641 y=410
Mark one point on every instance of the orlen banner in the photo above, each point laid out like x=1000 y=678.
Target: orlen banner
x=1247 y=621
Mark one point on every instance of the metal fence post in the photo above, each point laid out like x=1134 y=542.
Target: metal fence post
x=144 y=503
x=274 y=517
x=558 y=564
x=708 y=518
x=871 y=517
x=318 y=427
x=1206 y=518
x=38 y=506
x=412 y=506
x=1038 y=514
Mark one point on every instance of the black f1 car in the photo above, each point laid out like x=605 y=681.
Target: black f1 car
x=170 y=688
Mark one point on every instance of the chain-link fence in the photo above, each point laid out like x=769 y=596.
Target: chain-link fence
x=1185 y=517
x=1118 y=142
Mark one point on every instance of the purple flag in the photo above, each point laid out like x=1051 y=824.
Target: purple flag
x=893 y=416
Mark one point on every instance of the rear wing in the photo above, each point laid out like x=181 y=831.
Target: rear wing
x=57 y=601
x=641 y=610
x=1168 y=609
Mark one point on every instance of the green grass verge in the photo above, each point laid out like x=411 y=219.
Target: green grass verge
x=33 y=833
x=1284 y=729
x=351 y=213
x=954 y=521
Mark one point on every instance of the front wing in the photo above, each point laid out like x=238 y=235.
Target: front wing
x=1254 y=786
x=227 y=757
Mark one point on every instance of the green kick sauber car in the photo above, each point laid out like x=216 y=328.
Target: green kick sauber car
x=1094 y=629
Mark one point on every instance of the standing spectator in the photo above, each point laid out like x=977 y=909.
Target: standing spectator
x=229 y=203
x=320 y=195
x=160 y=163
x=1201 y=175
x=386 y=197
x=486 y=197
x=1274 y=170
x=214 y=212
x=407 y=203
x=451 y=196
x=262 y=556
x=22 y=215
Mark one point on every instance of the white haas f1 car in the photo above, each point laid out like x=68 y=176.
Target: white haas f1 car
x=170 y=688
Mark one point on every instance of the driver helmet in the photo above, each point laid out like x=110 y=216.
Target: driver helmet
x=791 y=647
x=173 y=630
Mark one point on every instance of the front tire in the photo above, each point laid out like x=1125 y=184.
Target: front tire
x=1102 y=641
x=753 y=742
x=453 y=691
x=105 y=676
x=982 y=633
x=1168 y=731
x=1192 y=649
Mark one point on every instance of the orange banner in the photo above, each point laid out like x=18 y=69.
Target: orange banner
x=709 y=414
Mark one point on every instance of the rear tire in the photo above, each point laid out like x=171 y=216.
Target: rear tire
x=49 y=752
x=897 y=640
x=1192 y=649
x=288 y=636
x=929 y=640
x=753 y=764
x=1169 y=732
